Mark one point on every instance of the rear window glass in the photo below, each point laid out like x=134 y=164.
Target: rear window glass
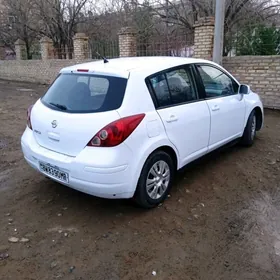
x=82 y=93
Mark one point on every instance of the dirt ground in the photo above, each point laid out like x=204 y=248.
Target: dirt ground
x=221 y=221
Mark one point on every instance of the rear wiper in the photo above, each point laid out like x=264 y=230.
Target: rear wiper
x=59 y=106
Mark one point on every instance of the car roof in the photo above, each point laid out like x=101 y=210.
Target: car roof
x=124 y=66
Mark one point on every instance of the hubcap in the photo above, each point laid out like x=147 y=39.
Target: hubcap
x=253 y=128
x=158 y=179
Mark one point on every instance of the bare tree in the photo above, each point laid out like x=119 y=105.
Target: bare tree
x=106 y=19
x=59 y=20
x=17 y=17
x=183 y=13
x=154 y=20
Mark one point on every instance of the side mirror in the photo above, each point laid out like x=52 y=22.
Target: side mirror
x=244 y=89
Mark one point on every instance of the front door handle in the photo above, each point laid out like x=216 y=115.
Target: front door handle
x=215 y=108
x=172 y=118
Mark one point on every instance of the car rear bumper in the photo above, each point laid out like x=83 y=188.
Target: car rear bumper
x=111 y=181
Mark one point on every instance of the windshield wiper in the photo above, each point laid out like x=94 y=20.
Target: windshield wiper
x=59 y=106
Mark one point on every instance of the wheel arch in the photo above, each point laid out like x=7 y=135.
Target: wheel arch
x=259 y=116
x=159 y=146
x=170 y=151
x=138 y=194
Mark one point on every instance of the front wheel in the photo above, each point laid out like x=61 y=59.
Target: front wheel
x=155 y=180
x=250 y=130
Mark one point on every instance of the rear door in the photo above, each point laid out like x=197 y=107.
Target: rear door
x=226 y=105
x=185 y=116
x=74 y=109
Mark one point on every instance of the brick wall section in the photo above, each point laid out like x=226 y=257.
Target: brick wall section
x=127 y=42
x=34 y=70
x=262 y=73
x=204 y=38
x=46 y=48
x=80 y=41
x=2 y=52
x=20 y=50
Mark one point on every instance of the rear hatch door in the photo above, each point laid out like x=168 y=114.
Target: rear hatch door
x=74 y=109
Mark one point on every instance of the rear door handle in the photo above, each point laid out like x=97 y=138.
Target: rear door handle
x=172 y=118
x=215 y=108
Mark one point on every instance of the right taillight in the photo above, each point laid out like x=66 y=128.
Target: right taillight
x=28 y=116
x=116 y=132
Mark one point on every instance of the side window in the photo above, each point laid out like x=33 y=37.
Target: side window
x=216 y=82
x=180 y=86
x=173 y=87
x=160 y=87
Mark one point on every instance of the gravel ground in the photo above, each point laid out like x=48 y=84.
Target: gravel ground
x=221 y=221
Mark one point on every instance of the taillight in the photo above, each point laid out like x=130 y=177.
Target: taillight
x=116 y=132
x=28 y=117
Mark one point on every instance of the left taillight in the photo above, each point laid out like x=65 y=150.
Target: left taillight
x=28 y=116
x=116 y=132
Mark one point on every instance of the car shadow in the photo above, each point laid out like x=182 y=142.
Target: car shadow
x=212 y=158
x=82 y=204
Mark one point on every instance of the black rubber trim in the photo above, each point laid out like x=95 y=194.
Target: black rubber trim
x=201 y=85
x=187 y=67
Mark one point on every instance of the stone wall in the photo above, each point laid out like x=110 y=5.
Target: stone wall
x=39 y=71
x=262 y=73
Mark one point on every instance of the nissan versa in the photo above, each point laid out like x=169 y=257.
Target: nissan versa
x=121 y=128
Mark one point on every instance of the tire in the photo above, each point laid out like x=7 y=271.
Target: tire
x=250 y=130
x=150 y=194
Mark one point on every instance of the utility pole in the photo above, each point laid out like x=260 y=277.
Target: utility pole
x=219 y=31
x=167 y=27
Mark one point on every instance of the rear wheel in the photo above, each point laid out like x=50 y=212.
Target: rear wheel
x=250 y=130
x=155 y=180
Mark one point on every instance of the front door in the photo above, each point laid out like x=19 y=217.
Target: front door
x=226 y=105
x=185 y=116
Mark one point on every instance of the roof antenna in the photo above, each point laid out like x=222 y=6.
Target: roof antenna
x=105 y=60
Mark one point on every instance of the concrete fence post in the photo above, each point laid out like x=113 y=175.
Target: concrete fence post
x=127 y=42
x=81 y=50
x=2 y=52
x=47 y=50
x=20 y=50
x=204 y=38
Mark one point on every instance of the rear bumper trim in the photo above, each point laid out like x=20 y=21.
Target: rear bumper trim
x=105 y=170
x=104 y=181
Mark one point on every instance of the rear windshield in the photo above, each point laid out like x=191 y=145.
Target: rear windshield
x=83 y=93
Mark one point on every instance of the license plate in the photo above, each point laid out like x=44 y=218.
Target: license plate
x=54 y=172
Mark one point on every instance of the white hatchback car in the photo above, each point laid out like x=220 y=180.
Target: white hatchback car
x=120 y=129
